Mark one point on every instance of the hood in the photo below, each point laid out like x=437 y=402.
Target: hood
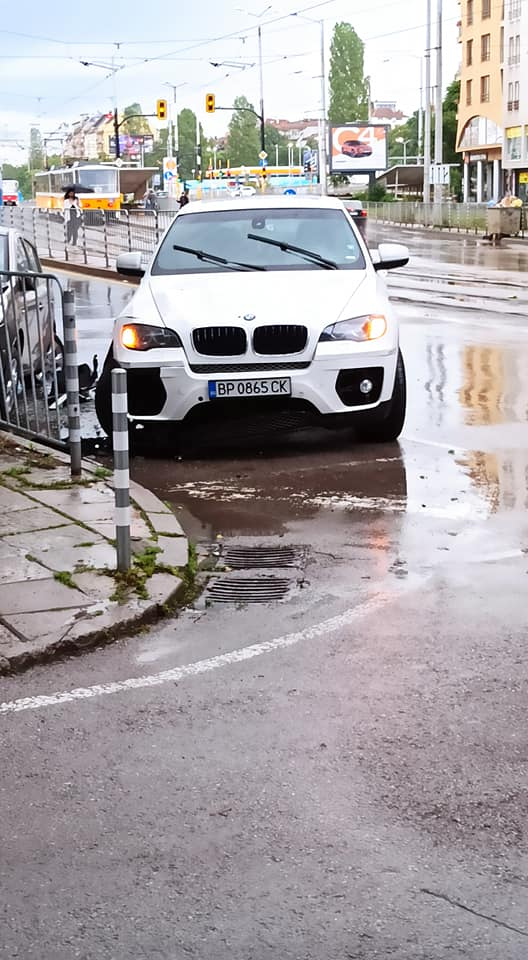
x=313 y=297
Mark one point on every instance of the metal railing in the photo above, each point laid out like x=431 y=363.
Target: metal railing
x=458 y=217
x=39 y=393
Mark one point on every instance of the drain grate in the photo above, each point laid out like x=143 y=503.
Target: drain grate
x=244 y=558
x=248 y=589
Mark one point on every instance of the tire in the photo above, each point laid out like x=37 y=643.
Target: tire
x=12 y=383
x=386 y=425
x=103 y=394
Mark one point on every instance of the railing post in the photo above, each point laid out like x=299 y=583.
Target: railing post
x=72 y=381
x=121 y=467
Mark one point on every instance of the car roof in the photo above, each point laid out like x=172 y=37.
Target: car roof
x=265 y=203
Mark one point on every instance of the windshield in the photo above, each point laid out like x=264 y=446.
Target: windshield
x=224 y=233
x=102 y=181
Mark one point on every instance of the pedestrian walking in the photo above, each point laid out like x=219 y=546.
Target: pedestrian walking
x=184 y=198
x=72 y=216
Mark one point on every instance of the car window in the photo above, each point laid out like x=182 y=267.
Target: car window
x=32 y=256
x=224 y=233
x=22 y=264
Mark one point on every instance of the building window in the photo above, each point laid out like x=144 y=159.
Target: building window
x=485 y=46
x=486 y=9
x=513 y=96
x=514 y=11
x=469 y=12
x=502 y=44
x=484 y=89
x=469 y=86
x=517 y=49
x=513 y=141
x=469 y=53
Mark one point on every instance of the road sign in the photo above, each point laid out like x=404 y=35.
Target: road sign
x=439 y=173
x=168 y=175
x=263 y=155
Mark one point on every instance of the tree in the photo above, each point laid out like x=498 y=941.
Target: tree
x=408 y=132
x=349 y=89
x=243 y=142
x=36 y=150
x=139 y=125
x=187 y=144
x=274 y=138
x=449 y=122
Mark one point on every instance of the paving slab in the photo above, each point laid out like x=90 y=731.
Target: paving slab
x=65 y=499
x=138 y=528
x=97 y=556
x=47 y=626
x=36 y=518
x=15 y=566
x=166 y=523
x=162 y=585
x=174 y=551
x=12 y=500
x=55 y=539
x=38 y=595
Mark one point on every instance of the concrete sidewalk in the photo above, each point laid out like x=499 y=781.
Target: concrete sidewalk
x=58 y=587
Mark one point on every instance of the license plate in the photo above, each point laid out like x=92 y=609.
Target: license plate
x=222 y=389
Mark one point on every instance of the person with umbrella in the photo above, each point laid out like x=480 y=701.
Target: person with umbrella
x=72 y=215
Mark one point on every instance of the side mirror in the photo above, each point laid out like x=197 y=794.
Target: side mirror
x=389 y=256
x=130 y=265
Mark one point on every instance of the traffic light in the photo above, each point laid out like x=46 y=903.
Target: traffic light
x=161 y=109
x=209 y=103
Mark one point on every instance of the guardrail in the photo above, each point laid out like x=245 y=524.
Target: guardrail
x=458 y=217
x=39 y=388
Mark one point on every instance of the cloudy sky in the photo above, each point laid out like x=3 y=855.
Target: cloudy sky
x=41 y=74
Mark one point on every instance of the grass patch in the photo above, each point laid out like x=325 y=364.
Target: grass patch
x=16 y=472
x=87 y=543
x=65 y=577
x=102 y=473
x=143 y=567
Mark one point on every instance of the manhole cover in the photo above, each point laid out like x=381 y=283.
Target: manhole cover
x=243 y=558
x=247 y=589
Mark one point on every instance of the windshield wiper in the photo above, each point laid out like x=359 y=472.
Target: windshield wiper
x=212 y=258
x=301 y=251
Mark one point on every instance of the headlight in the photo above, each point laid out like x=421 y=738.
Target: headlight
x=140 y=336
x=358 y=328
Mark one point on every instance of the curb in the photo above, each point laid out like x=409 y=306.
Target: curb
x=167 y=590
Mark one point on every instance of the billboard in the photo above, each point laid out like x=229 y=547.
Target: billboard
x=131 y=145
x=358 y=148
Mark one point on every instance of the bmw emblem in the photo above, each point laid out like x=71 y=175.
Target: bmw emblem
x=249 y=317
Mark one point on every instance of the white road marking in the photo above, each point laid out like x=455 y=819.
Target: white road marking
x=213 y=663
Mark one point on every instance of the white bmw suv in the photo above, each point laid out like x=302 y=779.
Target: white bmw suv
x=261 y=308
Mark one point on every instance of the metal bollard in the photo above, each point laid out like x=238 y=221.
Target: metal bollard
x=121 y=469
x=72 y=381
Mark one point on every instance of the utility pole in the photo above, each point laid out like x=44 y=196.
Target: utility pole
x=322 y=140
x=427 y=124
x=438 y=189
x=262 y=123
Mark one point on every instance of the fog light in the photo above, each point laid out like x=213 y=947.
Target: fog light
x=366 y=386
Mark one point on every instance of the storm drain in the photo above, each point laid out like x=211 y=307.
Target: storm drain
x=248 y=589
x=245 y=558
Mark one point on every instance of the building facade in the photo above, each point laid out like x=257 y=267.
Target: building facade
x=480 y=110
x=515 y=98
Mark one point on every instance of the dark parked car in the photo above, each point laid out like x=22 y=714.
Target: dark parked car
x=355 y=148
x=28 y=338
x=359 y=215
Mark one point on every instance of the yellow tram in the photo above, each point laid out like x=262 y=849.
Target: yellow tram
x=97 y=186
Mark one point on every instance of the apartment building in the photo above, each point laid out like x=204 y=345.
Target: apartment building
x=480 y=110
x=515 y=98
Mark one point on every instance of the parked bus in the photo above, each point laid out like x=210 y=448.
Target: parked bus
x=10 y=193
x=97 y=186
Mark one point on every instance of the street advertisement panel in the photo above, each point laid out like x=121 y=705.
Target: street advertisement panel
x=132 y=145
x=358 y=148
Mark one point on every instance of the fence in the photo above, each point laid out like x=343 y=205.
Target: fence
x=457 y=217
x=39 y=391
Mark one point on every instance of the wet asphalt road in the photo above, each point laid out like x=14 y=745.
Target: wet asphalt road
x=344 y=775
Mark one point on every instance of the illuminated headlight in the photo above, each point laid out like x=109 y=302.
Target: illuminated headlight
x=140 y=336
x=358 y=328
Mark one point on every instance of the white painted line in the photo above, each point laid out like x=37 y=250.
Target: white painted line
x=206 y=666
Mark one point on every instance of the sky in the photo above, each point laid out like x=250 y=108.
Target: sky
x=42 y=78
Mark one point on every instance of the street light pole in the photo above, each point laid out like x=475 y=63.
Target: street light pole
x=322 y=139
x=427 y=124
x=438 y=191
x=262 y=123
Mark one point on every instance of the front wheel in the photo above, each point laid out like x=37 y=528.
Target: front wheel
x=386 y=424
x=103 y=394
x=11 y=384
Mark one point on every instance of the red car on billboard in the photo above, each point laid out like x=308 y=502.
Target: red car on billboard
x=355 y=148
